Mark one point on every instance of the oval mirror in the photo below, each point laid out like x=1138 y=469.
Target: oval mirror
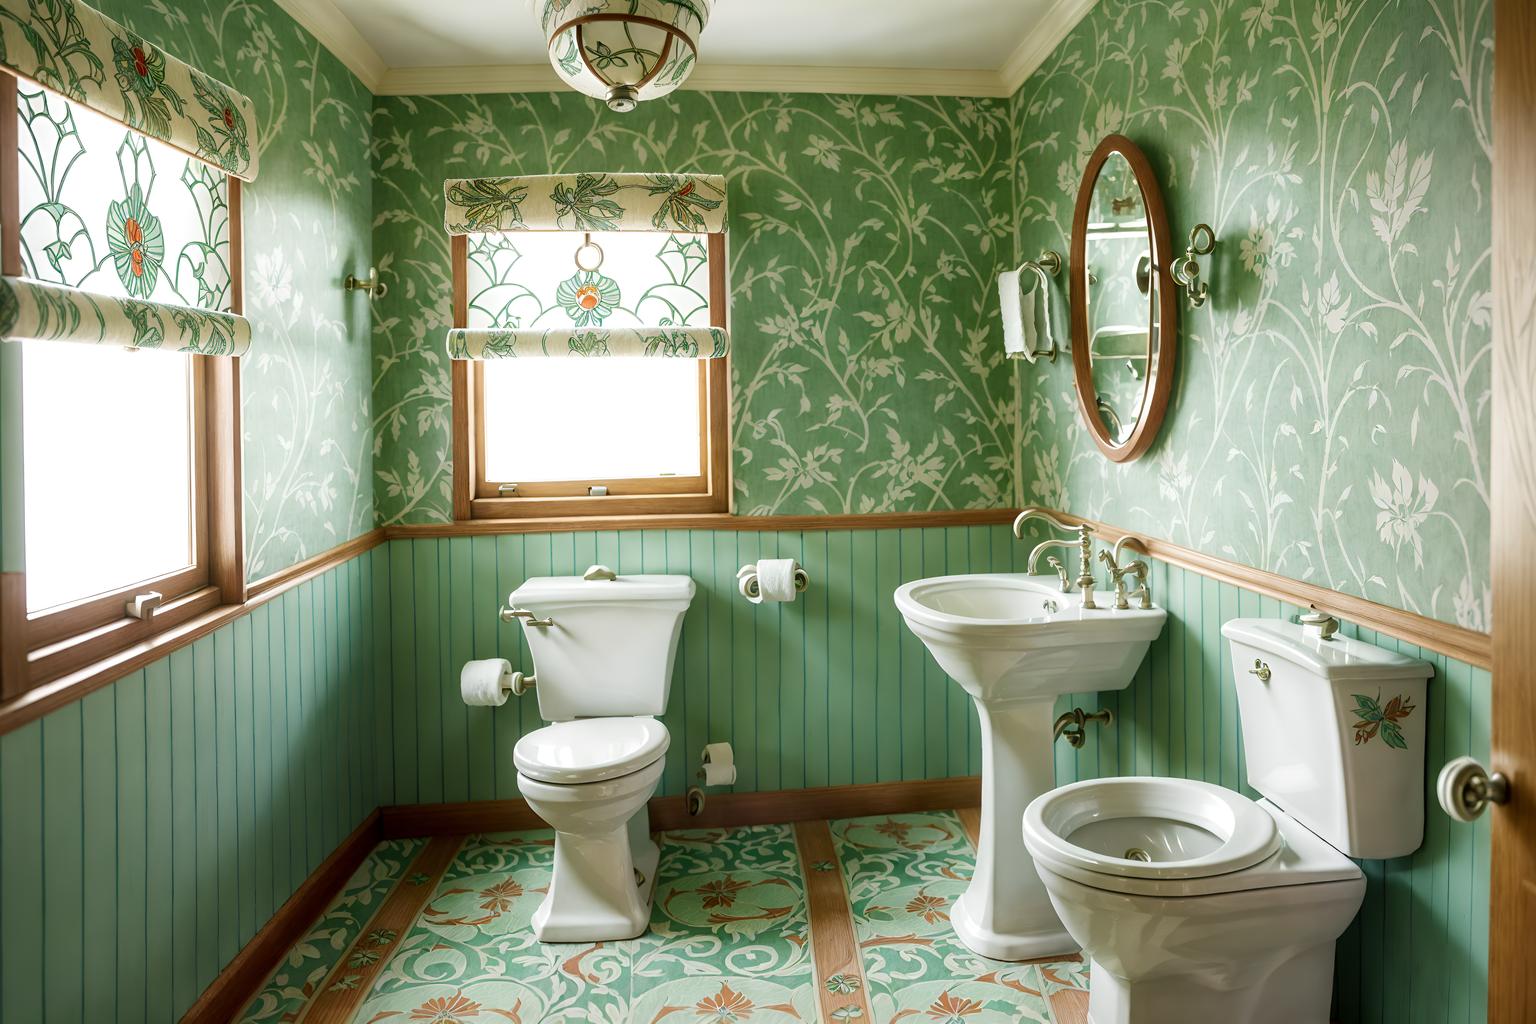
x=1124 y=309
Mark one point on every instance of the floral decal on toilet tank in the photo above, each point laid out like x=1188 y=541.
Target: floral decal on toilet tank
x=1374 y=719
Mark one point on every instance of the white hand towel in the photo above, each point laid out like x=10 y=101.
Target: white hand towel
x=1025 y=297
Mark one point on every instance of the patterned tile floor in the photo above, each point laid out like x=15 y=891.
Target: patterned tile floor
x=818 y=921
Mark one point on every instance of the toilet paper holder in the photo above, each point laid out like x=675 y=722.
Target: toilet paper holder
x=746 y=576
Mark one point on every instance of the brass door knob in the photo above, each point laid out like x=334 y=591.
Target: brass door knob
x=1466 y=788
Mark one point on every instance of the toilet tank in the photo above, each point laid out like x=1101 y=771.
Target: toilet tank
x=610 y=646
x=1335 y=737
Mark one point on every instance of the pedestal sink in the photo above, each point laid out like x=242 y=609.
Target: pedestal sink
x=1015 y=643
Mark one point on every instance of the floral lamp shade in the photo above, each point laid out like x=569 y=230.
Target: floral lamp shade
x=624 y=51
x=80 y=53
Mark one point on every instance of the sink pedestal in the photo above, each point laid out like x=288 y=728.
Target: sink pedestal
x=1015 y=643
x=1006 y=913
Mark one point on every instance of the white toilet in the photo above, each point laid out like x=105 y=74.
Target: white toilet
x=603 y=648
x=1195 y=903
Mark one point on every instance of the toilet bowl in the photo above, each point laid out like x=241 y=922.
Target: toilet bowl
x=603 y=648
x=589 y=779
x=1193 y=902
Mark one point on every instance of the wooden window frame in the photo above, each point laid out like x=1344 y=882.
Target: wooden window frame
x=41 y=647
x=475 y=497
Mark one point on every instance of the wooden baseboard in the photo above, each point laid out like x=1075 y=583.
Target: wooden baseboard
x=721 y=810
x=409 y=820
x=242 y=977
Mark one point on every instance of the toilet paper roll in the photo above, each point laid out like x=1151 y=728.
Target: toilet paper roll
x=484 y=683
x=719 y=775
x=719 y=765
x=776 y=579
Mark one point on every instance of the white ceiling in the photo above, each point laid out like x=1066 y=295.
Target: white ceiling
x=820 y=33
x=958 y=47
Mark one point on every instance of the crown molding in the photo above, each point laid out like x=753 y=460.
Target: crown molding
x=707 y=78
x=336 y=33
x=1042 y=41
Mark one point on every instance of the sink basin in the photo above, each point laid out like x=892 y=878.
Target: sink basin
x=1007 y=636
x=1015 y=643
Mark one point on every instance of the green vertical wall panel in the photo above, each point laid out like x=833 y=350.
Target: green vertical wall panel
x=149 y=829
x=98 y=870
x=827 y=690
x=130 y=853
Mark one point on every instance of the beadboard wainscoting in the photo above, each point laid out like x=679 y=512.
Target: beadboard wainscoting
x=829 y=690
x=1418 y=951
x=152 y=827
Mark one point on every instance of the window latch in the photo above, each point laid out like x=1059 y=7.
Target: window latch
x=143 y=606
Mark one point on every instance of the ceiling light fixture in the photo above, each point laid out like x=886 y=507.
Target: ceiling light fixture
x=624 y=51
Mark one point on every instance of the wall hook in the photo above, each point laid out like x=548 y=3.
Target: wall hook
x=375 y=288
x=1186 y=271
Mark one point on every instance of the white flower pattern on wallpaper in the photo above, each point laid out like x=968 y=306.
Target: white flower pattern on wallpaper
x=866 y=234
x=307 y=444
x=1330 y=419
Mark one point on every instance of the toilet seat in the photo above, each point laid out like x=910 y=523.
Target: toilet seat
x=590 y=749
x=1251 y=845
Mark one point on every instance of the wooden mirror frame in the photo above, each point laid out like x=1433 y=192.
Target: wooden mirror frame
x=1158 y=389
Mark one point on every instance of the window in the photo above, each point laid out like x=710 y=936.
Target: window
x=574 y=436
x=119 y=458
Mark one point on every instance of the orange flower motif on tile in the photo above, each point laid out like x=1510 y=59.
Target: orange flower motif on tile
x=454 y=1009
x=498 y=898
x=930 y=907
x=897 y=830
x=948 y=1009
x=721 y=892
x=727 y=1004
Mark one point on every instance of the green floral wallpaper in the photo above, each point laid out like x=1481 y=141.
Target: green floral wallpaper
x=308 y=455
x=1330 y=418
x=866 y=235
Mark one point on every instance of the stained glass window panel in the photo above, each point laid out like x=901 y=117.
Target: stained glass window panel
x=111 y=211
x=590 y=419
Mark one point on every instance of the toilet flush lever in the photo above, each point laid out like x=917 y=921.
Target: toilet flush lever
x=1261 y=670
x=529 y=618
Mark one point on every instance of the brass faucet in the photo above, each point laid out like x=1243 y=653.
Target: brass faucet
x=1118 y=573
x=1083 y=542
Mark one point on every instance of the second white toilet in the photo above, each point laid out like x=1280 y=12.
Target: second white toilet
x=1195 y=903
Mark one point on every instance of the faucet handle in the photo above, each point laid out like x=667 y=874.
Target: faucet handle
x=1061 y=573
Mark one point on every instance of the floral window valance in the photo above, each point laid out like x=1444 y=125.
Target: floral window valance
x=35 y=311
x=82 y=54
x=622 y=342
x=693 y=203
